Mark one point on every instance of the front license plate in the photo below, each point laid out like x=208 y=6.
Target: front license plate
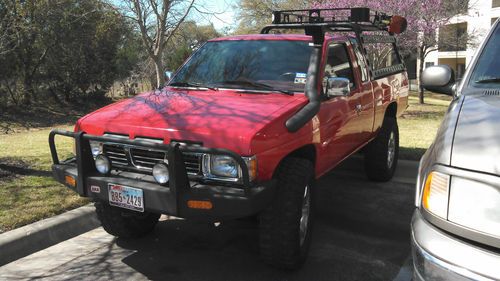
x=126 y=197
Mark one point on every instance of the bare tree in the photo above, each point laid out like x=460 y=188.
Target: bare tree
x=157 y=21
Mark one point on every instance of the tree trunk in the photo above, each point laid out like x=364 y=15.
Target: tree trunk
x=27 y=91
x=420 y=70
x=160 y=77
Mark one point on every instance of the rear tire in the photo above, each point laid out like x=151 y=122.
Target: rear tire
x=125 y=223
x=381 y=155
x=286 y=225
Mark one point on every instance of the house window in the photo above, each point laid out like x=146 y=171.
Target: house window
x=453 y=37
x=495 y=3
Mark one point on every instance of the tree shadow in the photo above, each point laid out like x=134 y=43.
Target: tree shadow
x=13 y=167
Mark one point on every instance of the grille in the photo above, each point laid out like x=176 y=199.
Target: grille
x=492 y=93
x=144 y=159
x=116 y=154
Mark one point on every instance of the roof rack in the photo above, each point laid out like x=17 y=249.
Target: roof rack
x=318 y=21
x=365 y=16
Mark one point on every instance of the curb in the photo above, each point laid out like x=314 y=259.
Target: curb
x=37 y=236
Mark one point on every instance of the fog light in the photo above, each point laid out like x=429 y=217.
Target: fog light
x=102 y=164
x=160 y=173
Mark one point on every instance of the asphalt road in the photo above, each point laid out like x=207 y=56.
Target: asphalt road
x=362 y=232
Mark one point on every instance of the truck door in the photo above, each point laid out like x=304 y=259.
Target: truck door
x=339 y=116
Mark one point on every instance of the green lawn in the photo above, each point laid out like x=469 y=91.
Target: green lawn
x=28 y=193
x=419 y=124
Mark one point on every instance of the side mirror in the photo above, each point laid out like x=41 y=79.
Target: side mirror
x=337 y=87
x=439 y=79
x=168 y=75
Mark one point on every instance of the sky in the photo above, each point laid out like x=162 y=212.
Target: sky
x=225 y=13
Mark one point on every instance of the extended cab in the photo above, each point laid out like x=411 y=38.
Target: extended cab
x=245 y=127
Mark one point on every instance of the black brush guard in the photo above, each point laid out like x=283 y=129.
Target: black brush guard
x=239 y=199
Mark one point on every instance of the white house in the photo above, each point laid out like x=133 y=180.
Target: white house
x=476 y=22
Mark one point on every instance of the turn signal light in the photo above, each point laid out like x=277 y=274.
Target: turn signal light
x=70 y=180
x=196 y=204
x=435 y=194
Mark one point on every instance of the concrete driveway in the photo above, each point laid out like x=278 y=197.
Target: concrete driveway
x=362 y=232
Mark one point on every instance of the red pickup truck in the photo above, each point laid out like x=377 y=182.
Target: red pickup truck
x=245 y=127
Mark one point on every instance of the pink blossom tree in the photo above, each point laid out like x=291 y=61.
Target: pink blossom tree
x=424 y=18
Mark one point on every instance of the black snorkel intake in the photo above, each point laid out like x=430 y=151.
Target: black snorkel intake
x=306 y=113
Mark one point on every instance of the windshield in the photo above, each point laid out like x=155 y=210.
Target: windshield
x=486 y=74
x=247 y=64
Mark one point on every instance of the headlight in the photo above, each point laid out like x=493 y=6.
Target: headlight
x=475 y=205
x=469 y=203
x=102 y=164
x=224 y=167
x=435 y=194
x=95 y=147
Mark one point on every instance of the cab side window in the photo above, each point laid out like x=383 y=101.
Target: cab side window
x=338 y=64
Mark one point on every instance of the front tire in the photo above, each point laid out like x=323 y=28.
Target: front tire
x=381 y=155
x=286 y=225
x=125 y=223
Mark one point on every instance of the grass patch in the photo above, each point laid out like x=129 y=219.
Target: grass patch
x=27 y=190
x=419 y=124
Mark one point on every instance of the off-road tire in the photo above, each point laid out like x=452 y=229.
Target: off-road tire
x=280 y=222
x=377 y=164
x=125 y=223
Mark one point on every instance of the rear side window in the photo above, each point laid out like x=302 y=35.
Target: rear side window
x=383 y=58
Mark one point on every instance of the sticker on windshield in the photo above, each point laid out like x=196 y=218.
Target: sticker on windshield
x=300 y=78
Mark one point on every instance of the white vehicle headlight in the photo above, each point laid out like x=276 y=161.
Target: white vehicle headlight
x=469 y=203
x=475 y=205
x=96 y=148
x=226 y=168
x=223 y=166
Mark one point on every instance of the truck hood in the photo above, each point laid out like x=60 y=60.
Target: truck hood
x=476 y=145
x=218 y=119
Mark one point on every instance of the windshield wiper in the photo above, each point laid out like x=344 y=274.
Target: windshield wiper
x=256 y=85
x=489 y=80
x=192 y=84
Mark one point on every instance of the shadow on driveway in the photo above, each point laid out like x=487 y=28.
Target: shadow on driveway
x=362 y=232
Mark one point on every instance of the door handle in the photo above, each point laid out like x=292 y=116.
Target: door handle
x=358 y=108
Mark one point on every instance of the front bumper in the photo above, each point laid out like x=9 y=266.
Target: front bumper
x=228 y=202
x=440 y=256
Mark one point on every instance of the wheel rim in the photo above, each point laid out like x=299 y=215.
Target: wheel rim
x=391 y=149
x=304 y=218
